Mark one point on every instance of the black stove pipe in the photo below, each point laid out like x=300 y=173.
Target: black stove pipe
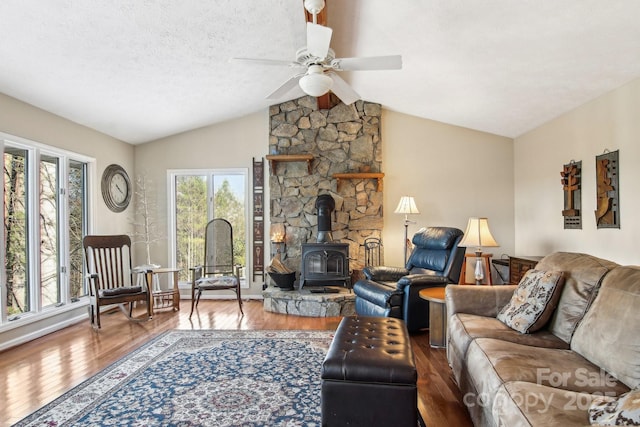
x=325 y=206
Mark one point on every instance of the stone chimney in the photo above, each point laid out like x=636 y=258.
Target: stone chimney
x=344 y=138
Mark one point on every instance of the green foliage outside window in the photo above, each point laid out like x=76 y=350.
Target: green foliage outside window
x=192 y=218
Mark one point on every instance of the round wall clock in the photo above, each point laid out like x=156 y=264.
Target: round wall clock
x=116 y=188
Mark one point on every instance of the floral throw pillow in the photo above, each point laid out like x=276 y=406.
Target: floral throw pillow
x=623 y=411
x=533 y=301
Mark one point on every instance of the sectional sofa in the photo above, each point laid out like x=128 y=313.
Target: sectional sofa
x=582 y=360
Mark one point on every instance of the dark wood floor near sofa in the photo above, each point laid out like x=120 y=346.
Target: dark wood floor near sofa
x=37 y=372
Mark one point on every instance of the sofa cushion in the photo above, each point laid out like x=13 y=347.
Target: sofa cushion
x=583 y=274
x=494 y=362
x=519 y=403
x=480 y=300
x=623 y=411
x=533 y=301
x=463 y=328
x=608 y=335
x=119 y=292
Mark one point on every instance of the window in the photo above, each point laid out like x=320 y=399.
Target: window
x=15 y=231
x=45 y=217
x=77 y=206
x=49 y=229
x=196 y=198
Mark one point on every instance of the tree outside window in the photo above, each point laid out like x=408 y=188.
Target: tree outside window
x=193 y=212
x=45 y=217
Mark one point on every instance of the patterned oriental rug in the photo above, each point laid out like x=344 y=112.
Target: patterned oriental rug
x=202 y=378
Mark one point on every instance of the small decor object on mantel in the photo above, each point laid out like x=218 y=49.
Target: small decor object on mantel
x=571 y=184
x=608 y=191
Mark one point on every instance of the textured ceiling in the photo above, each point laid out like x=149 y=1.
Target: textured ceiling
x=141 y=70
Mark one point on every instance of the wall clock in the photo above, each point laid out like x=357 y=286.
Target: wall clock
x=116 y=188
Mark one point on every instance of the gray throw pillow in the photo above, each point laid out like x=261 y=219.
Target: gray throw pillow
x=533 y=301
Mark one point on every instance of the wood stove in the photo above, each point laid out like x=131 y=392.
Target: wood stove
x=325 y=264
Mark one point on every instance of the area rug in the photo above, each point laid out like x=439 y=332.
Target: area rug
x=202 y=378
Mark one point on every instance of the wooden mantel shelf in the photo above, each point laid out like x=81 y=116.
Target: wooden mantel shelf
x=275 y=158
x=360 y=175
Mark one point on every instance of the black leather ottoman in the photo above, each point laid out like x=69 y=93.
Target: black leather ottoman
x=369 y=375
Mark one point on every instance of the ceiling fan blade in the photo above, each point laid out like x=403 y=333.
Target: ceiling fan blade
x=342 y=89
x=392 y=62
x=259 y=61
x=318 y=39
x=286 y=87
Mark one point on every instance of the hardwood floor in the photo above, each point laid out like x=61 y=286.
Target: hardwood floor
x=35 y=373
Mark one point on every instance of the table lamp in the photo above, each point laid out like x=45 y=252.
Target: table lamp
x=478 y=235
x=406 y=206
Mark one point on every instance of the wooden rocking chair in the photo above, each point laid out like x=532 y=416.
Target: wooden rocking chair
x=108 y=260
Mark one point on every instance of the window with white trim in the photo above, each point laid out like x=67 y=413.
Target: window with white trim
x=45 y=217
x=198 y=196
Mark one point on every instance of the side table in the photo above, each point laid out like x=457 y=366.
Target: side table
x=163 y=298
x=486 y=262
x=437 y=315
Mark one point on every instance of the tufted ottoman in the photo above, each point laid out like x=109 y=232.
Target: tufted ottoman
x=369 y=375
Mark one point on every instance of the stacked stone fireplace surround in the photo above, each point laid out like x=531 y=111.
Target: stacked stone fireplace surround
x=341 y=139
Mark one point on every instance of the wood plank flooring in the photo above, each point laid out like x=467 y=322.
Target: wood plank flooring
x=35 y=373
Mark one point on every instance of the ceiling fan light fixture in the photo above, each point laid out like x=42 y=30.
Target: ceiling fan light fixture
x=315 y=82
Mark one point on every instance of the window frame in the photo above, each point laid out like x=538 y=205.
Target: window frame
x=34 y=154
x=171 y=210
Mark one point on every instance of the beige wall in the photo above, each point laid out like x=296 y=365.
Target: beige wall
x=453 y=173
x=32 y=123
x=610 y=122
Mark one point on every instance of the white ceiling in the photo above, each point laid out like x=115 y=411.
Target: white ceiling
x=141 y=70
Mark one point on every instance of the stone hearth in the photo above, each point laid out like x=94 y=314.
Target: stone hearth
x=305 y=303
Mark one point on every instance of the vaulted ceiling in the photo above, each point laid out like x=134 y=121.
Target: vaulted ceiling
x=142 y=70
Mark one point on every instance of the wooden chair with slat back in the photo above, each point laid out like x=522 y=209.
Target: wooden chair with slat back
x=108 y=261
x=218 y=271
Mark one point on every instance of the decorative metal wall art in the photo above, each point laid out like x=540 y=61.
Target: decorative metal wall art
x=608 y=191
x=258 y=218
x=571 y=185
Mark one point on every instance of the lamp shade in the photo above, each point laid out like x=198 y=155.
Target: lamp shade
x=478 y=234
x=407 y=205
x=315 y=82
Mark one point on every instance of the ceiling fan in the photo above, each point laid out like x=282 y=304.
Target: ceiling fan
x=320 y=63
